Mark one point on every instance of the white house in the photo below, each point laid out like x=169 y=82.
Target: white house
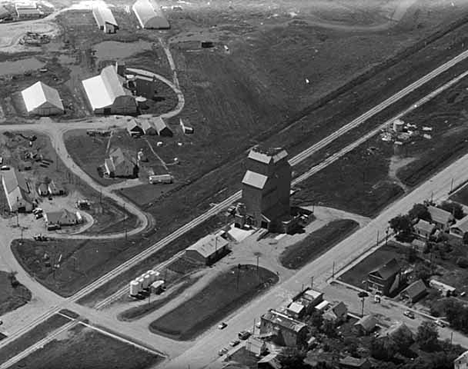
x=16 y=190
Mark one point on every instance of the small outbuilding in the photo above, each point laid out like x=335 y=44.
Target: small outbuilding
x=41 y=99
x=162 y=128
x=134 y=128
x=148 y=128
x=208 y=250
x=150 y=15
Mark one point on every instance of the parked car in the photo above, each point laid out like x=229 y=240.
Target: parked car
x=409 y=314
x=222 y=325
x=243 y=335
x=222 y=351
x=5 y=167
x=234 y=343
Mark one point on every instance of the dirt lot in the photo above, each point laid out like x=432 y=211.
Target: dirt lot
x=357 y=275
x=12 y=297
x=36 y=334
x=232 y=289
x=86 y=348
x=316 y=243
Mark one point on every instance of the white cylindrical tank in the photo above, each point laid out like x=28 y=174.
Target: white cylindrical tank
x=152 y=274
x=398 y=125
x=146 y=281
x=134 y=288
x=140 y=283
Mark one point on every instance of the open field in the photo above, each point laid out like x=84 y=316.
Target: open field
x=86 y=348
x=164 y=254
x=461 y=196
x=316 y=243
x=357 y=275
x=142 y=310
x=38 y=333
x=225 y=294
x=12 y=293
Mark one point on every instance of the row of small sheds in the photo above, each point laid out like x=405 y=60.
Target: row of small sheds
x=149 y=280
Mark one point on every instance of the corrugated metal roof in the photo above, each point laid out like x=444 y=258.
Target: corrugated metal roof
x=209 y=245
x=254 y=179
x=39 y=94
x=104 y=15
x=149 y=14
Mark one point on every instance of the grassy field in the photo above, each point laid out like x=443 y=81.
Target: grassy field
x=461 y=195
x=87 y=348
x=357 y=275
x=228 y=292
x=316 y=243
x=12 y=297
x=140 y=311
x=36 y=334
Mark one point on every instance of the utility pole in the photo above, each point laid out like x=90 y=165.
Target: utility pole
x=125 y=222
x=312 y=282
x=333 y=270
x=451 y=186
x=258 y=257
x=377 y=238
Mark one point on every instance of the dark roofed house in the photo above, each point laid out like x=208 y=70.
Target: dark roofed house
x=441 y=218
x=415 y=291
x=385 y=279
x=284 y=330
x=350 y=362
x=119 y=165
x=365 y=325
x=336 y=313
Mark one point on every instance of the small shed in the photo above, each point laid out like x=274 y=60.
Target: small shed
x=134 y=129
x=148 y=128
x=162 y=128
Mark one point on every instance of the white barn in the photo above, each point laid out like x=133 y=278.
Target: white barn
x=41 y=99
x=105 y=19
x=107 y=95
x=150 y=15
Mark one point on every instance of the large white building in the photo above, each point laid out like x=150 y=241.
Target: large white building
x=16 y=190
x=105 y=19
x=41 y=99
x=107 y=95
x=150 y=15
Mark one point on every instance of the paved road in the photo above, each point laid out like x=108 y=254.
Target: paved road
x=205 y=349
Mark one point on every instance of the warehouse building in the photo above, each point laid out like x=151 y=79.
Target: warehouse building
x=150 y=15
x=266 y=188
x=43 y=100
x=16 y=191
x=27 y=11
x=209 y=249
x=105 y=19
x=107 y=95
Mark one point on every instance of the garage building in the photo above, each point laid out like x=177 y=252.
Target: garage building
x=107 y=95
x=16 y=191
x=208 y=250
x=150 y=15
x=43 y=100
x=105 y=19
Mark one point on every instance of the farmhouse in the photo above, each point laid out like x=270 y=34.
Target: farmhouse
x=147 y=127
x=284 y=330
x=119 y=165
x=105 y=19
x=385 y=279
x=460 y=228
x=441 y=218
x=150 y=15
x=162 y=128
x=134 y=128
x=423 y=229
x=43 y=100
x=208 y=250
x=415 y=291
x=107 y=95
x=16 y=191
x=57 y=219
x=266 y=188
x=4 y=13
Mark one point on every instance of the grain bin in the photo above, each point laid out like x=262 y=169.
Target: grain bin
x=398 y=125
x=154 y=275
x=141 y=102
x=146 y=281
x=140 y=281
x=134 y=288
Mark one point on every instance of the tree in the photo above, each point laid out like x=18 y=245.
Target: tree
x=454 y=208
x=465 y=238
x=403 y=340
x=419 y=211
x=292 y=358
x=383 y=348
x=427 y=336
x=422 y=271
x=328 y=328
x=401 y=225
x=316 y=319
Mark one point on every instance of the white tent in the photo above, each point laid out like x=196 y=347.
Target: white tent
x=41 y=99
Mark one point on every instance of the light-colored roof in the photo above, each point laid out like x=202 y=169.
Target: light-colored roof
x=159 y=124
x=104 y=15
x=463 y=356
x=102 y=90
x=296 y=307
x=208 y=245
x=435 y=283
x=149 y=14
x=254 y=179
x=367 y=322
x=146 y=125
x=13 y=179
x=133 y=125
x=424 y=226
x=439 y=215
x=283 y=321
x=266 y=157
x=322 y=305
x=272 y=360
x=353 y=361
x=462 y=224
x=313 y=294
x=39 y=94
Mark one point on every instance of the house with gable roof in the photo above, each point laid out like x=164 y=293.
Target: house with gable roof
x=385 y=279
